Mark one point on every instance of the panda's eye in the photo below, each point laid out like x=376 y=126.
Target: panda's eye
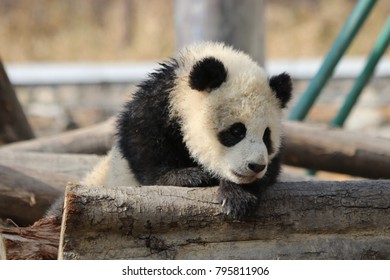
x=238 y=130
x=267 y=140
x=232 y=135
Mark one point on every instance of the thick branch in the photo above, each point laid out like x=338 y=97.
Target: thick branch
x=294 y=220
x=13 y=123
x=96 y=139
x=74 y=165
x=336 y=150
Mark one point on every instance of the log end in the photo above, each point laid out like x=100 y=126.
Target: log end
x=37 y=242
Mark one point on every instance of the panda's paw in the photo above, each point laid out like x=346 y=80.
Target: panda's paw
x=237 y=202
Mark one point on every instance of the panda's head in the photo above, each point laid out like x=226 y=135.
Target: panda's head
x=229 y=111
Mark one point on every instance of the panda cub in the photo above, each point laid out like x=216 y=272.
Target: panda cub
x=209 y=117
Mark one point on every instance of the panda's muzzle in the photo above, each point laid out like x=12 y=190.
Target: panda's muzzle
x=252 y=172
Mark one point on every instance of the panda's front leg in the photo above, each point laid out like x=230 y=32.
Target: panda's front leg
x=238 y=200
x=187 y=177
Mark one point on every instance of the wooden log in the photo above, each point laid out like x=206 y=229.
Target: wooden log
x=74 y=165
x=13 y=123
x=96 y=139
x=297 y=220
x=27 y=192
x=335 y=150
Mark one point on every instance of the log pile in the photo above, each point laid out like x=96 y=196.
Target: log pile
x=295 y=220
x=32 y=179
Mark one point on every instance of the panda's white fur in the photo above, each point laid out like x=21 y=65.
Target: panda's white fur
x=175 y=98
x=245 y=96
x=112 y=171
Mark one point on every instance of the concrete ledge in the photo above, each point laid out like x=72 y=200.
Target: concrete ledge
x=37 y=74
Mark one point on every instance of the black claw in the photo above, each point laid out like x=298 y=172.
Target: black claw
x=237 y=202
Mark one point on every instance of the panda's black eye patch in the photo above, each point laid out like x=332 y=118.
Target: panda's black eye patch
x=232 y=135
x=267 y=140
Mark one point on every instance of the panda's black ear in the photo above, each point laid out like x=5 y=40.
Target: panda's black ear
x=207 y=74
x=281 y=85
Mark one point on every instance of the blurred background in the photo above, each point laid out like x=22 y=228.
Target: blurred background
x=124 y=30
x=73 y=63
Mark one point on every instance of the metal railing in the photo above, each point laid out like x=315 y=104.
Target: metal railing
x=342 y=42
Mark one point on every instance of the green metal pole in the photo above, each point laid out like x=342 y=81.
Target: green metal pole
x=343 y=40
x=378 y=50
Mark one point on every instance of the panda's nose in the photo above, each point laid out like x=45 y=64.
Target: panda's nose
x=256 y=167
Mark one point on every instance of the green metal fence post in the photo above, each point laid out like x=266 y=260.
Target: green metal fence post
x=343 y=40
x=379 y=48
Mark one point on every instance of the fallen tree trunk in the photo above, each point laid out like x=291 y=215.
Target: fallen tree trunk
x=27 y=191
x=297 y=220
x=96 y=139
x=335 y=150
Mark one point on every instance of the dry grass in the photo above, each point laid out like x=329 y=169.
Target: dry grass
x=75 y=30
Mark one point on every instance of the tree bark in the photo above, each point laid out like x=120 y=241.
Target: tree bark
x=335 y=150
x=297 y=220
x=96 y=139
x=13 y=123
x=27 y=191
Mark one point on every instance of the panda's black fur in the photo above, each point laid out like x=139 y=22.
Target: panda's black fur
x=153 y=145
x=151 y=142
